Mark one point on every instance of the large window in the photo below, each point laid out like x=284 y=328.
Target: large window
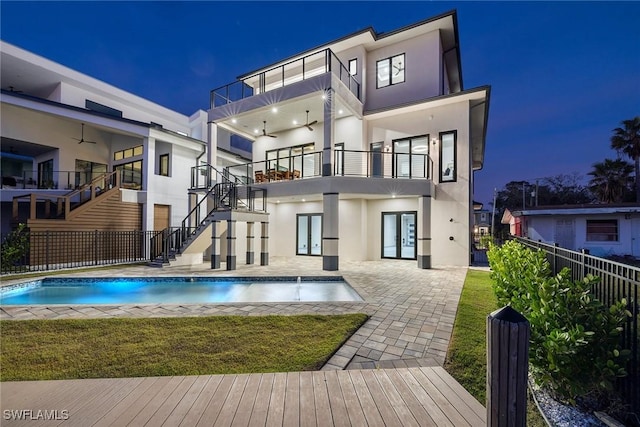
x=390 y=71
x=87 y=171
x=131 y=175
x=410 y=157
x=300 y=160
x=602 y=230
x=129 y=152
x=309 y=234
x=448 y=160
x=353 y=66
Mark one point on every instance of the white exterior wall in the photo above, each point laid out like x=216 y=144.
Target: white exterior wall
x=422 y=72
x=543 y=228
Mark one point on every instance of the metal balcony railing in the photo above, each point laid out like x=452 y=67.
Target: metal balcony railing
x=294 y=71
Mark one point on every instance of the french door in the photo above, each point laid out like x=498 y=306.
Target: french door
x=399 y=235
x=309 y=234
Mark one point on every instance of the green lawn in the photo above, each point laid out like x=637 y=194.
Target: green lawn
x=114 y=348
x=467 y=354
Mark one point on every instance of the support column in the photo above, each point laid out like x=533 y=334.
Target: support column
x=215 y=245
x=250 y=240
x=264 y=243
x=329 y=128
x=212 y=144
x=424 y=232
x=231 y=244
x=330 y=236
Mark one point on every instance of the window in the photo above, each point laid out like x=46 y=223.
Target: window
x=353 y=66
x=87 y=171
x=390 y=71
x=131 y=175
x=602 y=230
x=129 y=152
x=410 y=157
x=163 y=165
x=448 y=159
x=299 y=159
x=94 y=106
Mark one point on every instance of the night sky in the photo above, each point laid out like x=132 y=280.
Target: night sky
x=563 y=74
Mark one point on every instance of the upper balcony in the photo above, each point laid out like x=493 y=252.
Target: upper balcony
x=304 y=68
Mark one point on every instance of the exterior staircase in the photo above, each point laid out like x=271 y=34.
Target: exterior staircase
x=223 y=195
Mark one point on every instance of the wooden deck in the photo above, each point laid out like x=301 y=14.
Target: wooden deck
x=383 y=397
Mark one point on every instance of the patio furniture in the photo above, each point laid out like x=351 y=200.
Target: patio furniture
x=260 y=176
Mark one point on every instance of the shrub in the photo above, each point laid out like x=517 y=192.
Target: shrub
x=14 y=247
x=574 y=346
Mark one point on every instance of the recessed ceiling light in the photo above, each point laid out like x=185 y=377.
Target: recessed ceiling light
x=255 y=131
x=234 y=121
x=274 y=110
x=340 y=111
x=277 y=201
x=295 y=122
x=324 y=96
x=393 y=196
x=303 y=200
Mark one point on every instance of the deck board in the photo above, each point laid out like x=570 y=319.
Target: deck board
x=392 y=397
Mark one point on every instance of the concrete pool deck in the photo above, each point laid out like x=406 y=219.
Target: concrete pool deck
x=411 y=310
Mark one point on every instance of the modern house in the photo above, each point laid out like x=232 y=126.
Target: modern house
x=365 y=147
x=604 y=230
x=80 y=154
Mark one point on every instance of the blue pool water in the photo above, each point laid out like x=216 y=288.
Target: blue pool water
x=177 y=290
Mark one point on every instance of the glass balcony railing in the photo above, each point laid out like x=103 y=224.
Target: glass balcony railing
x=294 y=71
x=345 y=163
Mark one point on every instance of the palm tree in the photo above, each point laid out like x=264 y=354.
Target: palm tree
x=626 y=139
x=611 y=179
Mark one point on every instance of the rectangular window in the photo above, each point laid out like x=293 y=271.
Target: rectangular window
x=602 y=230
x=87 y=171
x=100 y=108
x=390 y=71
x=128 y=152
x=353 y=66
x=131 y=175
x=163 y=165
x=410 y=157
x=291 y=162
x=448 y=160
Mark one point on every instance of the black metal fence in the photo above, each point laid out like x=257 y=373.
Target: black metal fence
x=26 y=251
x=617 y=281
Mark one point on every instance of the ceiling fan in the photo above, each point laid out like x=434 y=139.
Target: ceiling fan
x=264 y=130
x=308 y=125
x=398 y=68
x=81 y=140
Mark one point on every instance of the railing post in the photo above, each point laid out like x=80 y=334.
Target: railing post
x=507 y=368
x=555 y=259
x=584 y=253
x=95 y=247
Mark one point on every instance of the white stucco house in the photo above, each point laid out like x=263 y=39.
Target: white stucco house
x=61 y=129
x=366 y=147
x=604 y=230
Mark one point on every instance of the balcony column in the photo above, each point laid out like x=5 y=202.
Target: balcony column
x=330 y=236
x=264 y=243
x=329 y=129
x=148 y=171
x=215 y=245
x=424 y=232
x=250 y=243
x=231 y=244
x=212 y=144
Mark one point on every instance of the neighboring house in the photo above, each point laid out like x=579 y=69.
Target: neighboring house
x=366 y=147
x=482 y=223
x=602 y=229
x=63 y=132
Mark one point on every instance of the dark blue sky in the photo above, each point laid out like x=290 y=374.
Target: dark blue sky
x=563 y=74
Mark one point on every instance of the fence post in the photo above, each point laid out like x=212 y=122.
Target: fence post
x=555 y=259
x=507 y=368
x=584 y=262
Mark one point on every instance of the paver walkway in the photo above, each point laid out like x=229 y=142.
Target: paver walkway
x=412 y=310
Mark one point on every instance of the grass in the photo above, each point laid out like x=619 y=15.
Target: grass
x=116 y=348
x=467 y=355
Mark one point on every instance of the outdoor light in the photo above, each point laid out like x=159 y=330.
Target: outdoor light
x=295 y=122
x=324 y=96
x=340 y=111
x=234 y=121
x=274 y=110
x=303 y=200
x=255 y=131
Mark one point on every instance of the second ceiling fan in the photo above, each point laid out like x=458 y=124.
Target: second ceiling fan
x=308 y=125
x=264 y=130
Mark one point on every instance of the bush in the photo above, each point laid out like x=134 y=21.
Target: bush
x=14 y=247
x=574 y=346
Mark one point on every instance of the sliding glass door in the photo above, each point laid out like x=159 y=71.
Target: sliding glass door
x=398 y=235
x=309 y=234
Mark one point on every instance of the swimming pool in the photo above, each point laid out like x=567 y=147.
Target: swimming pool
x=177 y=290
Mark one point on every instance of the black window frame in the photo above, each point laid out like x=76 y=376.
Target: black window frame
x=123 y=167
x=410 y=154
x=455 y=157
x=309 y=216
x=389 y=60
x=161 y=172
x=353 y=61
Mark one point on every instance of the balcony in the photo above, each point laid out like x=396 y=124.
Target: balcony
x=353 y=163
x=294 y=71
